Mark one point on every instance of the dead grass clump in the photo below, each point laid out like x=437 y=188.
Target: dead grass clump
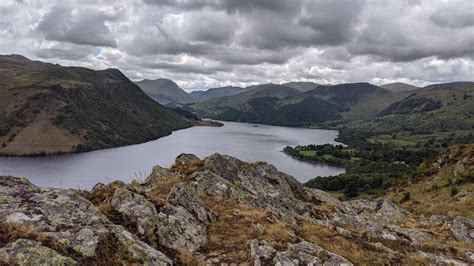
x=159 y=193
x=110 y=251
x=236 y=225
x=10 y=232
x=187 y=258
x=451 y=248
x=98 y=196
x=329 y=239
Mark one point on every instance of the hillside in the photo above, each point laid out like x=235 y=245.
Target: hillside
x=46 y=109
x=399 y=87
x=435 y=115
x=219 y=210
x=298 y=104
x=200 y=96
x=444 y=185
x=362 y=99
x=301 y=86
x=164 y=91
x=213 y=107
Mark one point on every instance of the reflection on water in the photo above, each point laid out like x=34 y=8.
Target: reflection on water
x=244 y=141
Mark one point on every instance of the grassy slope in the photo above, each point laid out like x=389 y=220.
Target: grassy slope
x=46 y=108
x=323 y=106
x=454 y=119
x=200 y=96
x=438 y=180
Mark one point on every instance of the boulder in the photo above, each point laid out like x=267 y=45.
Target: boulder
x=29 y=252
x=181 y=195
x=67 y=218
x=305 y=253
x=177 y=229
x=186 y=159
x=261 y=250
x=463 y=229
x=135 y=209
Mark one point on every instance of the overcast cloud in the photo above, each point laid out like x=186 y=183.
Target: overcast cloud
x=209 y=43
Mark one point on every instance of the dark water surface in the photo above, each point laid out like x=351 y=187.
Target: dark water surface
x=244 y=141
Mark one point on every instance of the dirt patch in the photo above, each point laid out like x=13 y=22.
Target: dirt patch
x=41 y=137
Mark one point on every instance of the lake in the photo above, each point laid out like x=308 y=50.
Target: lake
x=247 y=142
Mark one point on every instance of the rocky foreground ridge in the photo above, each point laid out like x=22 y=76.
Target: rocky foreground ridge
x=218 y=210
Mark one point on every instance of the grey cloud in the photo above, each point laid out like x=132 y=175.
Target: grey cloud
x=411 y=37
x=334 y=21
x=280 y=6
x=454 y=15
x=182 y=4
x=240 y=42
x=78 y=26
x=65 y=51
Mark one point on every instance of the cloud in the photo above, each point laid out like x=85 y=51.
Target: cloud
x=454 y=15
x=79 y=26
x=241 y=42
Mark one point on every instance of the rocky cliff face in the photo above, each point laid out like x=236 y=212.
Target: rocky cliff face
x=218 y=210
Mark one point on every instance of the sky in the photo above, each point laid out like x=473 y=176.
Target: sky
x=212 y=43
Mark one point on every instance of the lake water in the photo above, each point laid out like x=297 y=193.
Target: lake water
x=247 y=142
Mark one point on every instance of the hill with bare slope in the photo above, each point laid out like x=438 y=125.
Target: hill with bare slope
x=47 y=109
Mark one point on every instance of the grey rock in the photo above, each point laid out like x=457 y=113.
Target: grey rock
x=381 y=210
x=439 y=259
x=305 y=253
x=463 y=229
x=136 y=209
x=181 y=195
x=464 y=194
x=185 y=159
x=414 y=234
x=66 y=217
x=260 y=249
x=439 y=219
x=343 y=232
x=178 y=229
x=29 y=252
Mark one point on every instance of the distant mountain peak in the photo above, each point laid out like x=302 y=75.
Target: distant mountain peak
x=164 y=91
x=399 y=87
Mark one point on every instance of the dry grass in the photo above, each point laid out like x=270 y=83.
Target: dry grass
x=451 y=248
x=159 y=193
x=432 y=192
x=355 y=251
x=99 y=196
x=434 y=197
x=10 y=232
x=236 y=226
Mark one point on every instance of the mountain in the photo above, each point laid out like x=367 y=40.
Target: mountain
x=283 y=105
x=301 y=86
x=435 y=116
x=361 y=99
x=399 y=87
x=164 y=91
x=449 y=101
x=200 y=96
x=47 y=108
x=213 y=107
x=220 y=210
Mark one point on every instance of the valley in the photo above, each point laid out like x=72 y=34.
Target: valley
x=237 y=132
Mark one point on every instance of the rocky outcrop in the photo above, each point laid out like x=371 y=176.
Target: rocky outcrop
x=305 y=253
x=217 y=210
x=28 y=252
